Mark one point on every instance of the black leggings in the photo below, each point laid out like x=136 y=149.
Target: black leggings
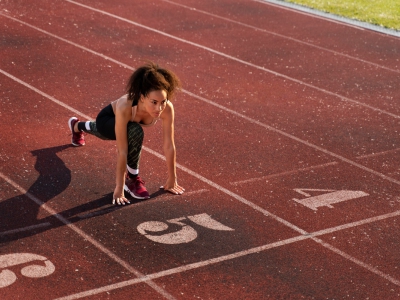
x=104 y=128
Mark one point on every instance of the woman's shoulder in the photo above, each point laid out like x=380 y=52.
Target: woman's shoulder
x=169 y=108
x=123 y=105
x=168 y=111
x=123 y=98
x=123 y=101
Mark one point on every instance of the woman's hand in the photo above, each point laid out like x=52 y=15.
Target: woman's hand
x=119 y=197
x=172 y=186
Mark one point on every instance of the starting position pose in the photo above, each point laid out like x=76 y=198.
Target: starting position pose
x=149 y=91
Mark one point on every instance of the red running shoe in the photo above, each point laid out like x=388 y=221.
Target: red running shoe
x=136 y=188
x=77 y=137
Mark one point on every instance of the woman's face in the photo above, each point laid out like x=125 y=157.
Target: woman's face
x=155 y=102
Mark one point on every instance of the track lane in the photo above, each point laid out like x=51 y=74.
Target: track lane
x=360 y=92
x=342 y=80
x=347 y=39
x=231 y=19
x=314 y=67
x=232 y=159
x=353 y=259
x=347 y=139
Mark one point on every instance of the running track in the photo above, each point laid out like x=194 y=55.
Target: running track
x=287 y=133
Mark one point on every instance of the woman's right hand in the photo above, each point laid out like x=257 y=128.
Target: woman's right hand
x=119 y=197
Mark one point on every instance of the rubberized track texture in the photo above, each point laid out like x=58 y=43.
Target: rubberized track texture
x=287 y=136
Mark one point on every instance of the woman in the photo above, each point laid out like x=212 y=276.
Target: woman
x=149 y=91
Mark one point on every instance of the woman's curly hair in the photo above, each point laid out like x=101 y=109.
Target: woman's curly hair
x=150 y=77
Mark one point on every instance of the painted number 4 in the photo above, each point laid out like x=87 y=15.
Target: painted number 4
x=328 y=198
x=185 y=235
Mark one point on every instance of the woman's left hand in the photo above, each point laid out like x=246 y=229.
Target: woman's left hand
x=173 y=187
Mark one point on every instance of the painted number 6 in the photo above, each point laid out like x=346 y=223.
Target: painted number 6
x=185 y=235
x=33 y=270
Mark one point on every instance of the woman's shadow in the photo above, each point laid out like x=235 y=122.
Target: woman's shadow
x=20 y=214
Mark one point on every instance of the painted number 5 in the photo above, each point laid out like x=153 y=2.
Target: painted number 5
x=184 y=235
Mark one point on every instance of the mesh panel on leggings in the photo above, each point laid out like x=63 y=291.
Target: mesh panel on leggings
x=135 y=141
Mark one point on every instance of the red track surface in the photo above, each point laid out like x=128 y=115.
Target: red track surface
x=277 y=105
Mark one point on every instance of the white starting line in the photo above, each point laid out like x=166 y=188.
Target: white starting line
x=24 y=229
x=248 y=252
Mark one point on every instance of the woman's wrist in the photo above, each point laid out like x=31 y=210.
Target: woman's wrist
x=172 y=177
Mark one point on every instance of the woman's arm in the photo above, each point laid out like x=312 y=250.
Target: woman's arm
x=122 y=116
x=169 y=149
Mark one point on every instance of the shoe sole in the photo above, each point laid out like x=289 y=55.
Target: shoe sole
x=70 y=128
x=126 y=189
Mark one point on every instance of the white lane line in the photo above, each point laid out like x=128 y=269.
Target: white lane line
x=166 y=197
x=27 y=228
x=283 y=173
x=356 y=223
x=194 y=192
x=68 y=42
x=282 y=36
x=85 y=236
x=140 y=203
x=358 y=262
x=183 y=268
x=96 y=213
x=186 y=194
x=169 y=196
x=378 y=153
x=209 y=182
x=292 y=137
x=342 y=98
x=253 y=121
x=44 y=94
x=247 y=252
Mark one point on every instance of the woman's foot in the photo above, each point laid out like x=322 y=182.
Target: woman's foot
x=77 y=137
x=135 y=187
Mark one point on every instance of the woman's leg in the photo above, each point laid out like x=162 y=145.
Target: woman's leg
x=134 y=185
x=103 y=127
x=135 y=141
x=90 y=127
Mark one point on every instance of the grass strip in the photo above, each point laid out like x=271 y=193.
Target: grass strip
x=385 y=13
